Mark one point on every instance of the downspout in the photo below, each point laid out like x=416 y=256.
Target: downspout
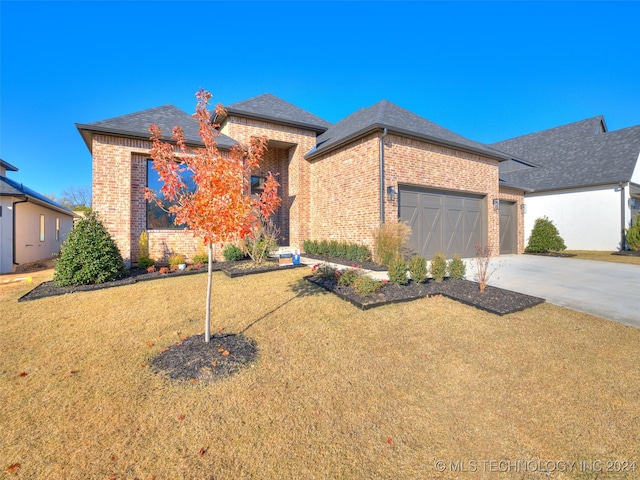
x=13 y=233
x=384 y=134
x=623 y=218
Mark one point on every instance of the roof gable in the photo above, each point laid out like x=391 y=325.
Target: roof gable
x=385 y=114
x=274 y=109
x=137 y=125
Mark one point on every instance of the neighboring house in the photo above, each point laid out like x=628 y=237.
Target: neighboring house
x=587 y=180
x=338 y=181
x=32 y=227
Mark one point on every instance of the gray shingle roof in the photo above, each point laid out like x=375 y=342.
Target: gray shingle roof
x=11 y=188
x=137 y=125
x=385 y=114
x=575 y=155
x=271 y=108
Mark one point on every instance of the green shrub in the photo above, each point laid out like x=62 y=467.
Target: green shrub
x=390 y=240
x=633 y=234
x=231 y=253
x=366 y=286
x=201 y=256
x=88 y=255
x=417 y=268
x=398 y=271
x=309 y=246
x=324 y=270
x=438 y=267
x=348 y=276
x=456 y=268
x=145 y=262
x=333 y=248
x=545 y=238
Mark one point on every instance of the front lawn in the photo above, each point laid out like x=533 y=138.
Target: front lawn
x=336 y=392
x=604 y=256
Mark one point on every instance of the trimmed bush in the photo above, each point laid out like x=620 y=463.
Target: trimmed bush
x=145 y=262
x=88 y=255
x=348 y=276
x=231 y=253
x=366 y=286
x=398 y=271
x=456 y=268
x=333 y=248
x=438 y=267
x=417 y=268
x=176 y=259
x=545 y=238
x=633 y=234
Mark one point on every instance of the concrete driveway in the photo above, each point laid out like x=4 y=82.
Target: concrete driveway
x=607 y=290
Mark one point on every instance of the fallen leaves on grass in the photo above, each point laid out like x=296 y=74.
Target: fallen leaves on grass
x=13 y=468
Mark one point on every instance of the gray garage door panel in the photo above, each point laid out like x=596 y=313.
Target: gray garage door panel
x=445 y=222
x=508 y=228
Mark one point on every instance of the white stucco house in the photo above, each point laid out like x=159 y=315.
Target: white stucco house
x=32 y=227
x=582 y=176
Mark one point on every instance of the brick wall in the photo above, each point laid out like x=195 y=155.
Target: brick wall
x=345 y=193
x=293 y=144
x=119 y=176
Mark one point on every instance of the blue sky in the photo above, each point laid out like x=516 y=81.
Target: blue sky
x=486 y=70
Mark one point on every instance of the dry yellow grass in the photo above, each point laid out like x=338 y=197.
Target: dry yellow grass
x=603 y=256
x=336 y=392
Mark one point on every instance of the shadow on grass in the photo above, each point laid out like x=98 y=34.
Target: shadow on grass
x=301 y=288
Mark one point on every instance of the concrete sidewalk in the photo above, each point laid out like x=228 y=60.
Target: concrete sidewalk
x=605 y=289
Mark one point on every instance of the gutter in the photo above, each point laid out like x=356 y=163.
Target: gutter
x=384 y=134
x=13 y=233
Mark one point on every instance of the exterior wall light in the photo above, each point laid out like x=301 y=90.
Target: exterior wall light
x=523 y=208
x=496 y=204
x=391 y=194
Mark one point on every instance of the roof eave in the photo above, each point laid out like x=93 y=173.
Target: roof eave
x=501 y=157
x=86 y=130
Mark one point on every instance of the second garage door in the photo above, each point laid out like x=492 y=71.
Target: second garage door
x=447 y=222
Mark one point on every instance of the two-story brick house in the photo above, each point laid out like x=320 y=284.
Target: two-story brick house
x=338 y=181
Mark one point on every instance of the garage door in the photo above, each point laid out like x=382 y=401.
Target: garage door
x=508 y=232
x=447 y=222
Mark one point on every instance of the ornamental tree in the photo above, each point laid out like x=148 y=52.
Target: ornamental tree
x=221 y=208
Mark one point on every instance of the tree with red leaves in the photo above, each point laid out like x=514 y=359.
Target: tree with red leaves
x=221 y=208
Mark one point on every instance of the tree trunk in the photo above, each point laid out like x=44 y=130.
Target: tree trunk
x=207 y=322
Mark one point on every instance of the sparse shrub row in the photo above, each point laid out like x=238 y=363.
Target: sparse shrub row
x=439 y=268
x=333 y=248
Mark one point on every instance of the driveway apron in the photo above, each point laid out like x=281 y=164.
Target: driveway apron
x=604 y=289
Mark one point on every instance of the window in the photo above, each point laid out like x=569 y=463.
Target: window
x=57 y=229
x=157 y=218
x=257 y=185
x=42 y=228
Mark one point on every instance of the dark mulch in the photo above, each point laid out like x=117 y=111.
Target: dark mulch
x=49 y=289
x=494 y=300
x=551 y=254
x=195 y=360
x=246 y=267
x=376 y=267
x=627 y=253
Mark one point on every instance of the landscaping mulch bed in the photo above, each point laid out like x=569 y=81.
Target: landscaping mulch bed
x=49 y=289
x=494 y=300
x=246 y=267
x=195 y=360
x=343 y=261
x=552 y=254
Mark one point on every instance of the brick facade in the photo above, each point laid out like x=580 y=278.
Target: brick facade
x=334 y=196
